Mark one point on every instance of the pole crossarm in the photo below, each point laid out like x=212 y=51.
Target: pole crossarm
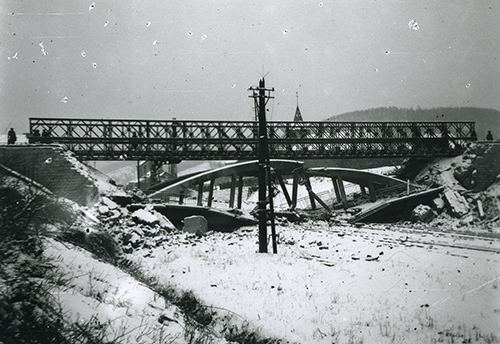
x=173 y=140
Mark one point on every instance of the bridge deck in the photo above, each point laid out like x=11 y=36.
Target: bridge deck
x=92 y=139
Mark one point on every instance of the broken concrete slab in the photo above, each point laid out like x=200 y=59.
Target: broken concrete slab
x=124 y=200
x=218 y=219
x=114 y=215
x=423 y=213
x=457 y=203
x=290 y=216
x=467 y=220
x=145 y=217
x=397 y=208
x=195 y=224
x=438 y=203
x=109 y=203
x=103 y=210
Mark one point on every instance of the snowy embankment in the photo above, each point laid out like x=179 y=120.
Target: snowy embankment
x=341 y=284
x=63 y=278
x=102 y=293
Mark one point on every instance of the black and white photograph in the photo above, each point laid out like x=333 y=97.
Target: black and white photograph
x=249 y=172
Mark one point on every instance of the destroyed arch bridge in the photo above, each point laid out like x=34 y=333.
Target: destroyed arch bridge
x=375 y=184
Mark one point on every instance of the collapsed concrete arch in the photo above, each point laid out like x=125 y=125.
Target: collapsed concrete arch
x=373 y=182
x=237 y=172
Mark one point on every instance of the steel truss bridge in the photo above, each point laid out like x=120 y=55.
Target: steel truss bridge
x=175 y=140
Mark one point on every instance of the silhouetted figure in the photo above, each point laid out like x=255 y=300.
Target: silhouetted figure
x=35 y=136
x=489 y=136
x=45 y=136
x=474 y=135
x=134 y=144
x=11 y=137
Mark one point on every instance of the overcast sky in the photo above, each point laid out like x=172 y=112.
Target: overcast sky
x=195 y=59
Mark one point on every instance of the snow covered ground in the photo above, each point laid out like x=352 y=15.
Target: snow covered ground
x=342 y=284
x=100 y=291
x=329 y=283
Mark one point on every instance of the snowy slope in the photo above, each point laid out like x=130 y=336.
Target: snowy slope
x=100 y=290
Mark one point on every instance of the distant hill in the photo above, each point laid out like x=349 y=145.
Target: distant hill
x=486 y=119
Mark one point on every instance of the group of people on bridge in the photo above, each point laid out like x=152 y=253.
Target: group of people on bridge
x=35 y=136
x=43 y=138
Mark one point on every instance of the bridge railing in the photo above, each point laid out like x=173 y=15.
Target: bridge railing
x=165 y=140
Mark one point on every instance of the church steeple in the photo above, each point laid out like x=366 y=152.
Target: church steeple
x=298 y=115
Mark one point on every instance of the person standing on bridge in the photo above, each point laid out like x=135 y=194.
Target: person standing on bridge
x=134 y=139
x=11 y=137
x=36 y=136
x=489 y=136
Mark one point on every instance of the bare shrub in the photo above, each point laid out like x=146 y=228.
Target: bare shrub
x=28 y=311
x=100 y=243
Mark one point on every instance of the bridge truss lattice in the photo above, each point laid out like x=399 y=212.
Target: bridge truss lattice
x=175 y=140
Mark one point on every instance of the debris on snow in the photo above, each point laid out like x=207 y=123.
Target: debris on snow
x=195 y=224
x=458 y=204
x=109 y=203
x=89 y=215
x=438 y=203
x=145 y=217
x=103 y=210
x=480 y=208
x=423 y=213
x=469 y=178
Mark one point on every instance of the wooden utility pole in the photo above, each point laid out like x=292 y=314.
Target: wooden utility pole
x=261 y=96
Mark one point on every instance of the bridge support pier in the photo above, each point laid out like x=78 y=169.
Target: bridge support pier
x=181 y=198
x=343 y=196
x=232 y=191
x=240 y=192
x=315 y=198
x=311 y=193
x=210 y=193
x=284 y=189
x=295 y=190
x=372 y=192
x=336 y=189
x=362 y=189
x=156 y=168
x=199 y=200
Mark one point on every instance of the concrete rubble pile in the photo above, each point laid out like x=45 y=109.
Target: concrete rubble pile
x=142 y=228
x=471 y=197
